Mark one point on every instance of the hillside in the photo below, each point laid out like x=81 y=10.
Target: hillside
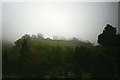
x=63 y=43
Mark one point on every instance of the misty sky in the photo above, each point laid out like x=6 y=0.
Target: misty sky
x=84 y=20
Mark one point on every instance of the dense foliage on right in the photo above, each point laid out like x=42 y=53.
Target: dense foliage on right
x=36 y=57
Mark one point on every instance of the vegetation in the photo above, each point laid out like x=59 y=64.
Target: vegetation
x=37 y=57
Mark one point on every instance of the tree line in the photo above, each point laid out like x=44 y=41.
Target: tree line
x=30 y=58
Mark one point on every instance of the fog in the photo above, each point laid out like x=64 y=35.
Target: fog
x=84 y=20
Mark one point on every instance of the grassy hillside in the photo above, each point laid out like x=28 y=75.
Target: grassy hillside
x=63 y=43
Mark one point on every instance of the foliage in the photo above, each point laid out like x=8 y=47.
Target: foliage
x=108 y=37
x=37 y=57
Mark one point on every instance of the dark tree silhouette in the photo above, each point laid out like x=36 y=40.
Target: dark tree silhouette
x=104 y=67
x=5 y=63
x=118 y=49
x=118 y=40
x=108 y=37
x=111 y=41
x=23 y=57
x=82 y=59
x=26 y=36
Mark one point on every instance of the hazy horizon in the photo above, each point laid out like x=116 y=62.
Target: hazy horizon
x=84 y=20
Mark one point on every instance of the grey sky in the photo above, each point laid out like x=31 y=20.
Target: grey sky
x=84 y=20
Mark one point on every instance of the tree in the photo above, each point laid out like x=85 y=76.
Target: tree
x=118 y=49
x=74 y=39
x=33 y=37
x=118 y=40
x=5 y=63
x=111 y=41
x=26 y=36
x=108 y=37
x=56 y=61
x=82 y=59
x=104 y=67
x=68 y=62
x=23 y=58
x=20 y=41
x=40 y=36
